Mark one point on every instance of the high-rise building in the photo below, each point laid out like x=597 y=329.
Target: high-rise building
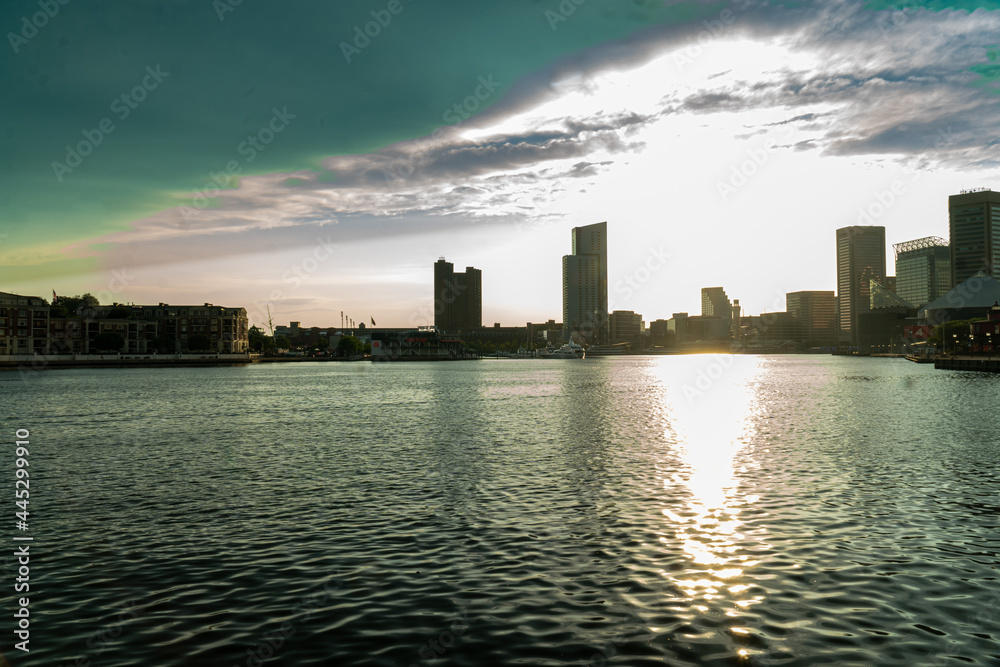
x=923 y=269
x=714 y=302
x=974 y=225
x=458 y=297
x=815 y=315
x=585 y=285
x=860 y=259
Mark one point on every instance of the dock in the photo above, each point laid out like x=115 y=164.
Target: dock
x=981 y=364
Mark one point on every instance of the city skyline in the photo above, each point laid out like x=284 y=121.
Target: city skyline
x=310 y=174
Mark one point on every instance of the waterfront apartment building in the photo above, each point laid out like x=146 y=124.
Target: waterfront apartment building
x=974 y=226
x=923 y=269
x=227 y=329
x=78 y=335
x=860 y=259
x=27 y=326
x=585 y=285
x=458 y=298
x=24 y=324
x=815 y=316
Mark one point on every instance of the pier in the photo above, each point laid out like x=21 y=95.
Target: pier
x=982 y=364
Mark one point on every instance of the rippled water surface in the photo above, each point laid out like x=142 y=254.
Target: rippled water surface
x=700 y=510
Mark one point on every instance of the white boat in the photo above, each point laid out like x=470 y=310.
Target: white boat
x=567 y=351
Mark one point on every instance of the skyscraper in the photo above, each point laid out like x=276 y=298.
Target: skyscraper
x=860 y=259
x=585 y=285
x=974 y=225
x=923 y=269
x=458 y=297
x=715 y=302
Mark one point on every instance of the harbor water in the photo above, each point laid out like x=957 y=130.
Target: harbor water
x=695 y=510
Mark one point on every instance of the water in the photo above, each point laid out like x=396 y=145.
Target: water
x=700 y=510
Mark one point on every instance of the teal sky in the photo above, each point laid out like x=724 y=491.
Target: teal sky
x=200 y=79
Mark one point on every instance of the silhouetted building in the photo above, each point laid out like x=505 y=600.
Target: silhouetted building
x=626 y=327
x=860 y=259
x=973 y=298
x=815 y=315
x=458 y=298
x=707 y=328
x=678 y=324
x=883 y=330
x=974 y=225
x=923 y=269
x=585 y=285
x=227 y=329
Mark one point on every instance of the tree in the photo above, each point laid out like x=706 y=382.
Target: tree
x=165 y=344
x=282 y=343
x=74 y=303
x=108 y=342
x=258 y=341
x=349 y=345
x=955 y=333
x=323 y=343
x=200 y=343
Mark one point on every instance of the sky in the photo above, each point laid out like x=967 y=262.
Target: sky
x=316 y=158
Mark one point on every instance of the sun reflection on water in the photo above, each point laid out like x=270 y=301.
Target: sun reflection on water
x=710 y=406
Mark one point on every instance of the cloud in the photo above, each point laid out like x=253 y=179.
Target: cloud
x=869 y=83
